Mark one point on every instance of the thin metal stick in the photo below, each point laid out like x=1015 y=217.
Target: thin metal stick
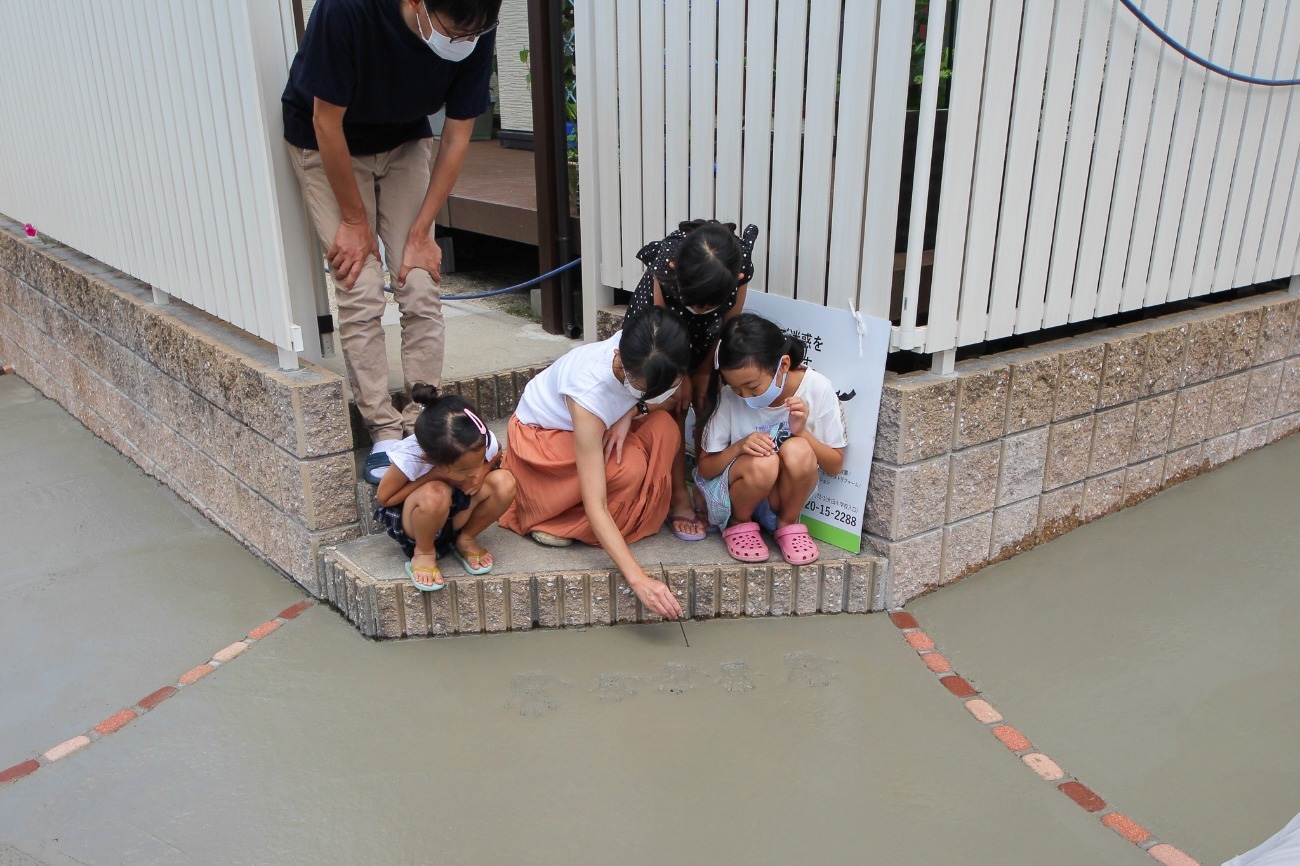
x=664 y=573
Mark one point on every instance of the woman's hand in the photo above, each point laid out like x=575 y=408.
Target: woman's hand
x=657 y=597
x=798 y=414
x=616 y=435
x=757 y=444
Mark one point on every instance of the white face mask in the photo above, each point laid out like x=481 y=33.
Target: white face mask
x=443 y=46
x=639 y=394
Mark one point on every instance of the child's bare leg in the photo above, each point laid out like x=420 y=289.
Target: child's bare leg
x=682 y=510
x=795 y=482
x=752 y=479
x=423 y=515
x=485 y=508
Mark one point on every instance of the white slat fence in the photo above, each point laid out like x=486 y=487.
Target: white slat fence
x=1089 y=168
x=151 y=140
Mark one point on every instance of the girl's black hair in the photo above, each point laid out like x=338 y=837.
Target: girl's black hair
x=749 y=339
x=444 y=431
x=708 y=262
x=657 y=348
x=470 y=14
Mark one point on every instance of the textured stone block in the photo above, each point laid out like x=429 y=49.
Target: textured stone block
x=705 y=603
x=756 y=590
x=1059 y=511
x=833 y=587
x=1144 y=480
x=442 y=612
x=1182 y=464
x=1277 y=331
x=574 y=602
x=1191 y=415
x=522 y=614
x=388 y=617
x=602 y=601
x=808 y=589
x=974 y=485
x=1032 y=390
x=548 y=600
x=1261 y=395
x=783 y=589
x=860 y=595
x=916 y=418
x=1153 y=423
x=731 y=581
x=1112 y=439
x=1068 y=450
x=1220 y=450
x=1251 y=438
x=626 y=605
x=679 y=582
x=1283 y=427
x=981 y=406
x=1102 y=495
x=1024 y=462
x=507 y=394
x=914 y=566
x=1014 y=527
x=609 y=320
x=1239 y=341
x=1288 y=398
x=1080 y=384
x=1166 y=359
x=485 y=389
x=1205 y=339
x=1229 y=402
x=1123 y=370
x=412 y=601
x=902 y=501
x=966 y=546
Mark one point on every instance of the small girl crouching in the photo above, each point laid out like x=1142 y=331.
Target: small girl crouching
x=443 y=488
x=766 y=433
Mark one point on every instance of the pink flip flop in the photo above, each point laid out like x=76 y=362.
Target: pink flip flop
x=797 y=547
x=744 y=542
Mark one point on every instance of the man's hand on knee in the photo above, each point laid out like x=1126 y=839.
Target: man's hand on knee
x=421 y=251
x=354 y=243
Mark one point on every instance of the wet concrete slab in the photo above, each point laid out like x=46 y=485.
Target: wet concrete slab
x=1155 y=653
x=819 y=741
x=112 y=586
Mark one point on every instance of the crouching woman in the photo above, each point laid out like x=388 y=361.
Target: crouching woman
x=574 y=481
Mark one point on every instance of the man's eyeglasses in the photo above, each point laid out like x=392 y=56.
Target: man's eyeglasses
x=465 y=37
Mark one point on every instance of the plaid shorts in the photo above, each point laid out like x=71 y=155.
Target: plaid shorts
x=390 y=517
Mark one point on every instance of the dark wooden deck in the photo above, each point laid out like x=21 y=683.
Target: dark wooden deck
x=496 y=194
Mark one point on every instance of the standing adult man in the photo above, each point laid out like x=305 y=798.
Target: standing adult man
x=366 y=78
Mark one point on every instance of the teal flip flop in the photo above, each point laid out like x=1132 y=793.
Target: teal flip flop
x=424 y=569
x=464 y=561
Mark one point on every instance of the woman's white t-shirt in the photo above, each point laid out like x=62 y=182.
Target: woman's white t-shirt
x=585 y=374
x=734 y=420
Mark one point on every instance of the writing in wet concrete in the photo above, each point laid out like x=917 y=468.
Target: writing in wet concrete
x=535 y=693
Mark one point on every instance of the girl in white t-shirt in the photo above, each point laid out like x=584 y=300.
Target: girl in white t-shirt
x=443 y=488
x=769 y=424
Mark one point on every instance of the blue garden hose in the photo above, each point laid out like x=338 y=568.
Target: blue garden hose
x=1195 y=58
x=534 y=281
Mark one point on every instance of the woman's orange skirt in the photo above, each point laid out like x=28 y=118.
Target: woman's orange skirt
x=547 y=495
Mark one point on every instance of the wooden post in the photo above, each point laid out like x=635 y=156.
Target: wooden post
x=550 y=161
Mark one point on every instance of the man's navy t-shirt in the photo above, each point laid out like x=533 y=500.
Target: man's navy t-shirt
x=361 y=54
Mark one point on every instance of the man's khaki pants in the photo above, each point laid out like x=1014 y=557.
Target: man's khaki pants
x=392 y=186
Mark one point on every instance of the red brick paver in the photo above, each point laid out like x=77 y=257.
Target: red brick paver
x=294 y=609
x=116 y=722
x=904 y=620
x=193 y=675
x=1083 y=795
x=1011 y=738
x=231 y=652
x=919 y=640
x=263 y=630
x=1171 y=856
x=959 y=686
x=1126 y=827
x=936 y=663
x=157 y=697
x=17 y=771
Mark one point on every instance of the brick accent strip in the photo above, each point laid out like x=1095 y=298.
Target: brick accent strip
x=984 y=712
x=125 y=716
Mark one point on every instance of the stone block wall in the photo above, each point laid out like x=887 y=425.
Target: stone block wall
x=265 y=454
x=1018 y=448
